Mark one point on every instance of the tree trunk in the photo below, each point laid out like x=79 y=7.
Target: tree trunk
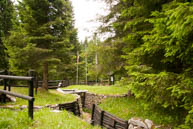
x=45 y=76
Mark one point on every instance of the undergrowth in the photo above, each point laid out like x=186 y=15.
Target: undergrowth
x=127 y=108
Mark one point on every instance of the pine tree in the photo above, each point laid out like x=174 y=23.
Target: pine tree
x=6 y=14
x=47 y=36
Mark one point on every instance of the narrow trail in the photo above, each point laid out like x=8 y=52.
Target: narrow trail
x=86 y=117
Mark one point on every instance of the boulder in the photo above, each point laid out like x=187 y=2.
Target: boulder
x=23 y=107
x=137 y=122
x=149 y=123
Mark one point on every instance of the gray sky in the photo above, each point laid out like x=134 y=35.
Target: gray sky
x=86 y=12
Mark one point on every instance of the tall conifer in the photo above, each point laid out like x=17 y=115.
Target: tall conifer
x=6 y=14
x=47 y=36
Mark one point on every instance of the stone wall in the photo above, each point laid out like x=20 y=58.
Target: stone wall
x=91 y=98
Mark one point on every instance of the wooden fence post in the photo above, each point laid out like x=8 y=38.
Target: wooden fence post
x=33 y=74
x=84 y=99
x=36 y=82
x=92 y=117
x=5 y=87
x=101 y=119
x=31 y=94
x=9 y=81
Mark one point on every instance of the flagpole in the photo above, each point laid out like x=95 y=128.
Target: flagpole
x=77 y=69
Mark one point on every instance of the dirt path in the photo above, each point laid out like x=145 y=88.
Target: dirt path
x=86 y=117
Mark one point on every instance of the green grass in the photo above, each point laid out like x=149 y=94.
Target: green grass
x=42 y=98
x=126 y=108
x=43 y=119
x=106 y=90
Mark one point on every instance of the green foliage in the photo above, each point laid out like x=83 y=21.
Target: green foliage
x=43 y=35
x=167 y=90
x=127 y=108
x=154 y=38
x=6 y=15
x=170 y=40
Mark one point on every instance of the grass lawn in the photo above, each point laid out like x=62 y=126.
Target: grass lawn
x=42 y=98
x=43 y=119
x=126 y=108
x=106 y=90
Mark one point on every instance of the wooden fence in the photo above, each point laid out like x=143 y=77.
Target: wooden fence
x=53 y=84
x=30 y=98
x=105 y=119
x=72 y=107
x=90 y=83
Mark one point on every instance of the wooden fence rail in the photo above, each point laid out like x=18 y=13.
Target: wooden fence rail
x=30 y=98
x=107 y=120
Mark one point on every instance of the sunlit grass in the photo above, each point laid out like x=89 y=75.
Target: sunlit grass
x=43 y=119
x=106 y=90
x=43 y=97
x=126 y=108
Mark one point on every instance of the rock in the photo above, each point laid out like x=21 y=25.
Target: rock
x=55 y=106
x=57 y=111
x=131 y=126
x=38 y=107
x=23 y=107
x=149 y=123
x=137 y=122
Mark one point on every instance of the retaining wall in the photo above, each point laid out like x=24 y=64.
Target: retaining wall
x=91 y=98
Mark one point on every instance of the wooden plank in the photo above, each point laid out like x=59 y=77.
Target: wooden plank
x=109 y=121
x=124 y=126
x=114 y=117
x=67 y=105
x=101 y=118
x=107 y=126
x=73 y=107
x=120 y=127
x=16 y=77
x=17 y=95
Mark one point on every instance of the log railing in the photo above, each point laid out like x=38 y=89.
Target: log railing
x=30 y=98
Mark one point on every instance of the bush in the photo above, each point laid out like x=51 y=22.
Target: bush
x=166 y=90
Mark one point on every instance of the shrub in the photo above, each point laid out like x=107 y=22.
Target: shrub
x=165 y=90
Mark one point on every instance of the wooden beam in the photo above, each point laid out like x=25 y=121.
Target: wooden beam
x=16 y=77
x=17 y=95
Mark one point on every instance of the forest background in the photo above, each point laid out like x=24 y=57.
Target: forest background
x=149 y=49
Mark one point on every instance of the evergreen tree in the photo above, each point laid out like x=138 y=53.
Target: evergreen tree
x=44 y=37
x=6 y=14
x=155 y=39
